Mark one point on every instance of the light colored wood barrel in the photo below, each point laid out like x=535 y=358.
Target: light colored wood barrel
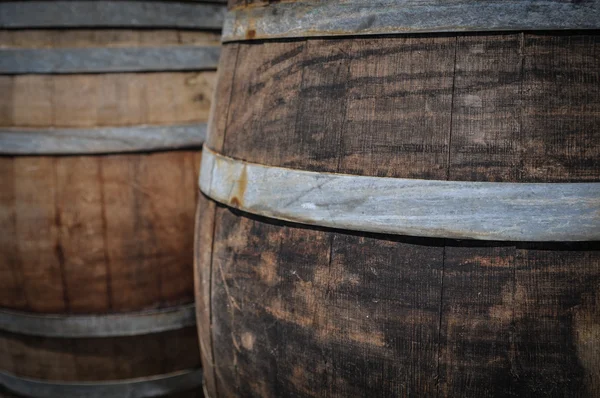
x=92 y=227
x=308 y=310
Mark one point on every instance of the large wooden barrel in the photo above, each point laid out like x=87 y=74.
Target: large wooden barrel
x=401 y=200
x=103 y=113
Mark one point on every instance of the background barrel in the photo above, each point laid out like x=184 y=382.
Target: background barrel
x=300 y=310
x=102 y=115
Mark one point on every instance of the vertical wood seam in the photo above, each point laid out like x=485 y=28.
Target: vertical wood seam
x=105 y=235
x=235 y=66
x=58 y=250
x=512 y=329
x=448 y=158
x=327 y=297
x=212 y=242
x=520 y=171
x=297 y=118
x=344 y=119
x=210 y=303
x=214 y=227
x=18 y=271
x=439 y=338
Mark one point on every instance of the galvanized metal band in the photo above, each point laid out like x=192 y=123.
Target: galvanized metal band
x=108 y=60
x=429 y=208
x=100 y=140
x=156 y=386
x=84 y=326
x=309 y=18
x=118 y=14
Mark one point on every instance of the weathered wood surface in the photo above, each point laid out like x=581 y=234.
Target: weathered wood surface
x=310 y=18
x=97 y=234
x=105 y=100
x=107 y=13
x=126 y=324
x=105 y=38
x=172 y=383
x=99 y=237
x=75 y=141
x=306 y=311
x=400 y=206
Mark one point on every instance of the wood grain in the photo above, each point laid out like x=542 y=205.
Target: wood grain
x=105 y=38
x=306 y=311
x=100 y=234
x=107 y=234
x=122 y=99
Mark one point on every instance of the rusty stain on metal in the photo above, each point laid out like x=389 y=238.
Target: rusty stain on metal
x=237 y=199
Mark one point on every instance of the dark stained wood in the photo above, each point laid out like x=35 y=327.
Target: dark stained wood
x=305 y=311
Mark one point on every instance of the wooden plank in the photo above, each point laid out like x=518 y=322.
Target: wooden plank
x=486 y=112
x=12 y=291
x=105 y=38
x=38 y=234
x=222 y=96
x=561 y=103
x=557 y=319
x=477 y=353
x=397 y=87
x=123 y=99
x=203 y=238
x=80 y=228
x=148 y=252
x=272 y=73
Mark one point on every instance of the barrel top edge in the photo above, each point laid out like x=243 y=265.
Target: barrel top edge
x=309 y=19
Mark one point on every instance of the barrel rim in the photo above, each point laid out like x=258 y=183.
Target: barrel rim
x=111 y=13
x=306 y=18
x=15 y=61
x=105 y=325
x=152 y=386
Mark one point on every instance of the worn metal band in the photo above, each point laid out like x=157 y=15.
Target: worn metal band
x=99 y=140
x=84 y=326
x=108 y=60
x=156 y=386
x=309 y=18
x=429 y=208
x=119 y=14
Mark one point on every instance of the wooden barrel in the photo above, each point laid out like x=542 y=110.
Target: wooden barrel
x=102 y=116
x=401 y=200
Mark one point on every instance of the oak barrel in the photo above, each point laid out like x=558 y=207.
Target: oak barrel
x=103 y=113
x=402 y=198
